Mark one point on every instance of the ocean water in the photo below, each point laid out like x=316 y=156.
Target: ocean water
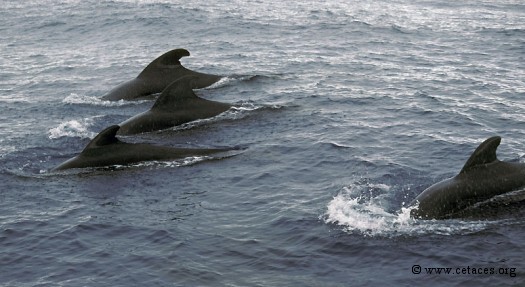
x=346 y=111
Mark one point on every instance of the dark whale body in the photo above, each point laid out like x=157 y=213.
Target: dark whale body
x=157 y=76
x=106 y=150
x=482 y=177
x=177 y=105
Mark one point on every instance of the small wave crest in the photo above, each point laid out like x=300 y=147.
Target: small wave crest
x=358 y=213
x=73 y=128
x=234 y=113
x=6 y=149
x=76 y=99
x=224 y=81
x=187 y=161
x=232 y=79
x=7 y=146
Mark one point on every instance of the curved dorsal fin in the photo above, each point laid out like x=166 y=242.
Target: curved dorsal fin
x=485 y=153
x=168 y=59
x=177 y=92
x=105 y=137
x=172 y=57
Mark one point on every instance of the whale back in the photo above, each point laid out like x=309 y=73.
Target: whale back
x=484 y=154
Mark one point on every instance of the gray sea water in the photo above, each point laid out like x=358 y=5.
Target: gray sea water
x=347 y=111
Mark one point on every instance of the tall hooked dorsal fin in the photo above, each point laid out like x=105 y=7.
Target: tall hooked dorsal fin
x=177 y=92
x=169 y=59
x=105 y=137
x=172 y=57
x=485 y=153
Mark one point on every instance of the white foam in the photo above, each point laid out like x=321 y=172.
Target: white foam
x=76 y=99
x=6 y=149
x=73 y=128
x=166 y=164
x=225 y=81
x=243 y=109
x=234 y=113
x=13 y=100
x=366 y=216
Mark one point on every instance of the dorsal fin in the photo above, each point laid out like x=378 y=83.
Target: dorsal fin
x=168 y=59
x=172 y=57
x=177 y=92
x=485 y=153
x=105 y=137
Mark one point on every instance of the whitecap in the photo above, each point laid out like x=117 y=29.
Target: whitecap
x=76 y=99
x=222 y=82
x=233 y=113
x=187 y=161
x=228 y=80
x=358 y=214
x=73 y=128
x=6 y=149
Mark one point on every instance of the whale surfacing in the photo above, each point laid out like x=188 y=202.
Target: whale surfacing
x=158 y=75
x=106 y=150
x=177 y=105
x=482 y=177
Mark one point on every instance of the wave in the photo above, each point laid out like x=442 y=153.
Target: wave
x=73 y=128
x=6 y=149
x=223 y=82
x=13 y=100
x=233 y=79
x=242 y=110
x=166 y=164
x=358 y=213
x=187 y=161
x=76 y=99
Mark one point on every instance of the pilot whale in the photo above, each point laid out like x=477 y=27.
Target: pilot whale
x=482 y=177
x=176 y=105
x=106 y=150
x=157 y=76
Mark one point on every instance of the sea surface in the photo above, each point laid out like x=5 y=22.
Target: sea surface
x=344 y=111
